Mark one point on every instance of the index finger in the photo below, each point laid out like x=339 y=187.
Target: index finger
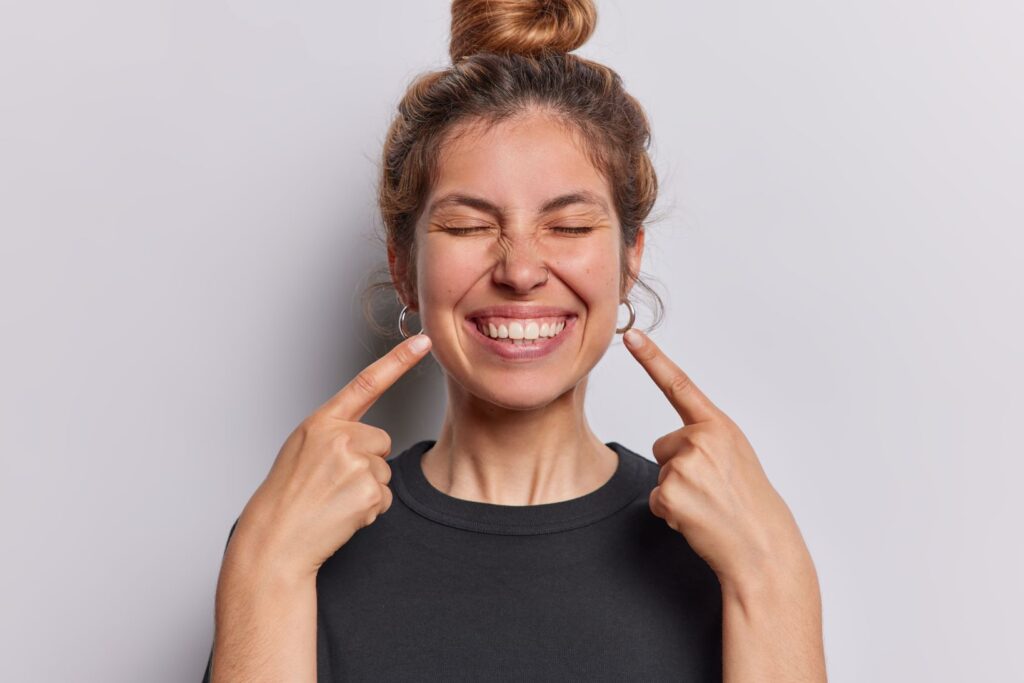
x=356 y=397
x=689 y=401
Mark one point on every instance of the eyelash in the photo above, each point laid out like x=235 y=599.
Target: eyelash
x=569 y=230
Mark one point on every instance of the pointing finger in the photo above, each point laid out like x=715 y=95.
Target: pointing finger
x=691 y=404
x=356 y=397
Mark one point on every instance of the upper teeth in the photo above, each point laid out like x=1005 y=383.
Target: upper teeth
x=521 y=328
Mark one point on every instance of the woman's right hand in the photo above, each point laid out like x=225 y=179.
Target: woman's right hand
x=329 y=479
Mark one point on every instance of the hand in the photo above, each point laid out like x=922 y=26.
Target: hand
x=711 y=486
x=329 y=479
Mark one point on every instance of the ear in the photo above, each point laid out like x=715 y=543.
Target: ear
x=399 y=270
x=634 y=257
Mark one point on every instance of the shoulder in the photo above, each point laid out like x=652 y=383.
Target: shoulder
x=650 y=535
x=640 y=467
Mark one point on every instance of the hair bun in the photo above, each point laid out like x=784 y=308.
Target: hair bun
x=520 y=26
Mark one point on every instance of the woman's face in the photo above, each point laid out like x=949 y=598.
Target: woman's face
x=518 y=263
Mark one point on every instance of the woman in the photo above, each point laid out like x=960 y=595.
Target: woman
x=517 y=545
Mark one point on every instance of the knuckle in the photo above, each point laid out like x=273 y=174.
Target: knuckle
x=683 y=466
x=659 y=442
x=701 y=442
x=668 y=497
x=655 y=501
x=675 y=467
x=691 y=440
x=370 y=493
x=365 y=382
x=381 y=440
x=663 y=445
x=311 y=425
x=358 y=465
x=296 y=441
x=678 y=383
x=734 y=433
x=403 y=356
x=386 y=476
x=341 y=441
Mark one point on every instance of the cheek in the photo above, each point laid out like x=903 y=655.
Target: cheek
x=444 y=275
x=592 y=271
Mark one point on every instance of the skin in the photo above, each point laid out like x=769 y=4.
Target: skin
x=515 y=433
x=713 y=490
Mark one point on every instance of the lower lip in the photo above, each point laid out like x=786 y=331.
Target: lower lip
x=540 y=347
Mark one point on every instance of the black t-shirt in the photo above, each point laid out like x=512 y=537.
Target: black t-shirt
x=594 y=588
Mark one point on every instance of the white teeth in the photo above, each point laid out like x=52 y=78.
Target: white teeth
x=521 y=331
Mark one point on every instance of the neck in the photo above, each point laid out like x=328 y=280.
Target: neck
x=490 y=454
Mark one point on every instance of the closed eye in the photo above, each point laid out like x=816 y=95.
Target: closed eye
x=564 y=229
x=467 y=230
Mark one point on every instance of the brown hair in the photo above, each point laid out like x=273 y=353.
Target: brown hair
x=511 y=57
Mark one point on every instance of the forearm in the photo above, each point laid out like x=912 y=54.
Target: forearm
x=265 y=626
x=772 y=628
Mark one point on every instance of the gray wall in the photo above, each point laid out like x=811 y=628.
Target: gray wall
x=187 y=215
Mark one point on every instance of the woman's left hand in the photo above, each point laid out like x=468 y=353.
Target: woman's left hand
x=712 y=488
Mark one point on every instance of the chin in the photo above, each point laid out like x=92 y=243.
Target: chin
x=524 y=401
x=521 y=393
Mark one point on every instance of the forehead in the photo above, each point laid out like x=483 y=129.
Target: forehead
x=530 y=164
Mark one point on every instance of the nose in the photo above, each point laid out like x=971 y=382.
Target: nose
x=519 y=268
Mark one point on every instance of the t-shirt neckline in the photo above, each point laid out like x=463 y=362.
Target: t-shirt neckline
x=416 y=491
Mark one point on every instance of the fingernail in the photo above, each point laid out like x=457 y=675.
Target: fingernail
x=633 y=339
x=420 y=343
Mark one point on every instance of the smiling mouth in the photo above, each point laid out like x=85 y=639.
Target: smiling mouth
x=521 y=331
x=515 y=333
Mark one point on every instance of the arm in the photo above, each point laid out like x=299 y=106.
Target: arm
x=328 y=481
x=713 y=490
x=772 y=629
x=265 y=627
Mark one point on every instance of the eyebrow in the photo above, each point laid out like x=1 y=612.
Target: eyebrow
x=561 y=201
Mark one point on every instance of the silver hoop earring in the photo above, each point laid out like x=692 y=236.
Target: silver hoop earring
x=632 y=318
x=403 y=330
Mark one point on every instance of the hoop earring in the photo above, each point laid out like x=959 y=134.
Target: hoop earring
x=632 y=318
x=403 y=330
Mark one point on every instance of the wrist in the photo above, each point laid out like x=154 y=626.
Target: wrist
x=255 y=563
x=784 y=582
x=263 y=584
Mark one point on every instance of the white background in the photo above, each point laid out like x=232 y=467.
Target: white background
x=187 y=214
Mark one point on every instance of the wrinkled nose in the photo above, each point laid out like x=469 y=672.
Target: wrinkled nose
x=520 y=268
